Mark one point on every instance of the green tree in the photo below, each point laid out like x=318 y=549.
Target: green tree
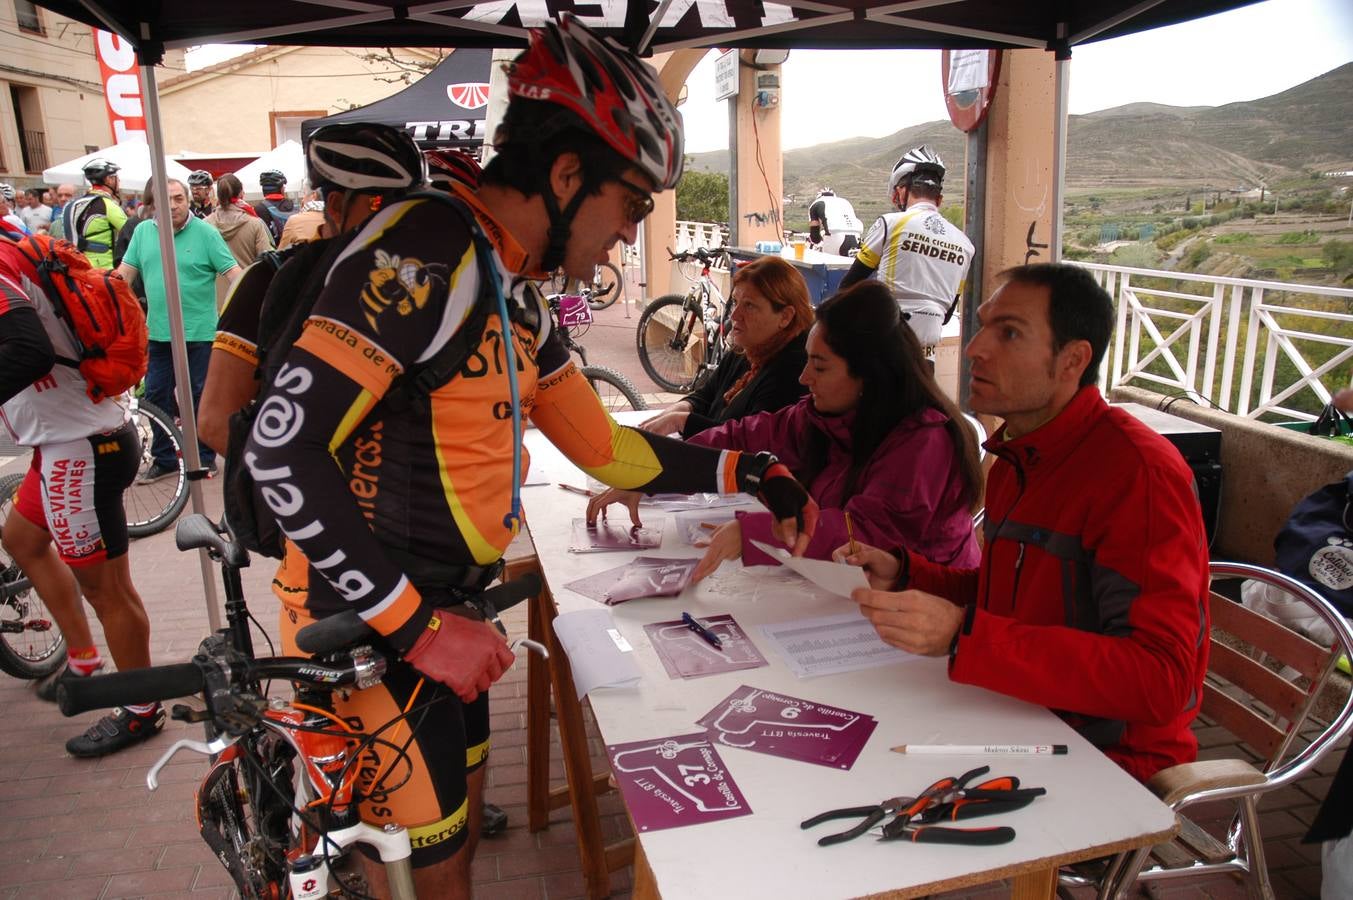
x=702 y=196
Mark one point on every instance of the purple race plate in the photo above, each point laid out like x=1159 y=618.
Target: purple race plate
x=675 y=781
x=753 y=719
x=603 y=537
x=645 y=576
x=685 y=655
x=573 y=311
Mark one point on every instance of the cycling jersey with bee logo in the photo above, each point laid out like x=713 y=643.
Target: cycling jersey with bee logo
x=432 y=481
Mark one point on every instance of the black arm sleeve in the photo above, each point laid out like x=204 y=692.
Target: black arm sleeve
x=858 y=272
x=26 y=352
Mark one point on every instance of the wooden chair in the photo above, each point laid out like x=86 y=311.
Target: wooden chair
x=1262 y=685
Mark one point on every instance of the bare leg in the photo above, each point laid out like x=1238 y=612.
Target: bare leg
x=474 y=786
x=446 y=880
x=126 y=627
x=33 y=550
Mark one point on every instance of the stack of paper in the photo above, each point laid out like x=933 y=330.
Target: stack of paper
x=598 y=653
x=645 y=576
x=686 y=655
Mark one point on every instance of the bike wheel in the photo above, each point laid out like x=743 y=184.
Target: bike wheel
x=152 y=505
x=615 y=390
x=608 y=286
x=672 y=343
x=31 y=646
x=244 y=811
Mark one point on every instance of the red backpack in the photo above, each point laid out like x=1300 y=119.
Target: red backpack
x=99 y=309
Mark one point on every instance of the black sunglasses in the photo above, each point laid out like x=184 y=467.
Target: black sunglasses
x=638 y=203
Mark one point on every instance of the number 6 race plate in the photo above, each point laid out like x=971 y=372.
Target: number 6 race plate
x=674 y=781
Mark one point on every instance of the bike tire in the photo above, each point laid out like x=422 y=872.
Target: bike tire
x=663 y=351
x=31 y=653
x=608 y=286
x=616 y=391
x=152 y=506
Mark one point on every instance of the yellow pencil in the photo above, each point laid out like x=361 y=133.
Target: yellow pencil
x=850 y=534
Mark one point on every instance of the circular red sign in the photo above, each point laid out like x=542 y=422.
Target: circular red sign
x=968 y=104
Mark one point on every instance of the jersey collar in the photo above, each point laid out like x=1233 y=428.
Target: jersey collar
x=510 y=250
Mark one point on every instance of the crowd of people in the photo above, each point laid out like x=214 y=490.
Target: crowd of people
x=831 y=416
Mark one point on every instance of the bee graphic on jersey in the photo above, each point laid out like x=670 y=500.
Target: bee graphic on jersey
x=402 y=283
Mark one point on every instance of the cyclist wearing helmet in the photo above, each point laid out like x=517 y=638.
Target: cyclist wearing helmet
x=199 y=187
x=423 y=500
x=833 y=224
x=276 y=207
x=446 y=166
x=93 y=221
x=7 y=212
x=922 y=258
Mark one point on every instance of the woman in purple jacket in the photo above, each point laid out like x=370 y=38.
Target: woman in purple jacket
x=875 y=437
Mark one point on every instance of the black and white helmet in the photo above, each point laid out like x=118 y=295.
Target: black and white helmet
x=919 y=164
x=96 y=170
x=272 y=180
x=7 y=191
x=200 y=178
x=363 y=156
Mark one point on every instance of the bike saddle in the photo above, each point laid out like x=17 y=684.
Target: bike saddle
x=196 y=532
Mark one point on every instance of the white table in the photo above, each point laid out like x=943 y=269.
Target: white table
x=1092 y=808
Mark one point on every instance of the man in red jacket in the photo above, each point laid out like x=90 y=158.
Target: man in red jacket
x=1091 y=595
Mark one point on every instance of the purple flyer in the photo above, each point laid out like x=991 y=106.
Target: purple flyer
x=645 y=576
x=695 y=526
x=675 y=781
x=686 y=655
x=603 y=536
x=753 y=719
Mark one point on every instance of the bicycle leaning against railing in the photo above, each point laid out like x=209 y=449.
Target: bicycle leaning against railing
x=682 y=338
x=280 y=802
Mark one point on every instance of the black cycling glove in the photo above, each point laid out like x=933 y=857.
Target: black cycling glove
x=770 y=481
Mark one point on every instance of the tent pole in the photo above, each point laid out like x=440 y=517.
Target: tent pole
x=1061 y=87
x=178 y=341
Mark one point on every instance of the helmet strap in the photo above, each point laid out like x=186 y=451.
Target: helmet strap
x=561 y=222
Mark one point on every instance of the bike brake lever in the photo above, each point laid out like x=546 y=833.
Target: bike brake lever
x=211 y=748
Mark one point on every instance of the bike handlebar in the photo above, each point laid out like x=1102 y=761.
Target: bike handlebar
x=151 y=685
x=701 y=253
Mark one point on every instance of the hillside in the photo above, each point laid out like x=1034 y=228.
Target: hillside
x=1306 y=128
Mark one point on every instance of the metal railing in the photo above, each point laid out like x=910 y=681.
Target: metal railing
x=693 y=235
x=1252 y=348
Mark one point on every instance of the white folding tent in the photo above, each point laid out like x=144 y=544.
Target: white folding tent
x=287 y=158
x=133 y=158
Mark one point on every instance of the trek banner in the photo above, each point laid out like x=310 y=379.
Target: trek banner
x=121 y=86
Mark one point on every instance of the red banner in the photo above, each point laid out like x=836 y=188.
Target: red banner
x=121 y=86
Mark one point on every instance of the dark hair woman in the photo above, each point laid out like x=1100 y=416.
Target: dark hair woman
x=875 y=438
x=771 y=316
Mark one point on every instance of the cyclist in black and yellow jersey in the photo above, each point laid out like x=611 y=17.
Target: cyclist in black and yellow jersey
x=424 y=497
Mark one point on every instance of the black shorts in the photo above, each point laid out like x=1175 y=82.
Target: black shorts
x=73 y=490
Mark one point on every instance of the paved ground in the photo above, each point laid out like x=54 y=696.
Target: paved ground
x=75 y=829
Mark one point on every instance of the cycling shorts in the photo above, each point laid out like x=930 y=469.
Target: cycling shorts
x=421 y=781
x=73 y=490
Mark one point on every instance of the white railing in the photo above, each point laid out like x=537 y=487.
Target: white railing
x=694 y=235
x=1184 y=332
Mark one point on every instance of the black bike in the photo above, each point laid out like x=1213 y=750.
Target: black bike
x=31 y=644
x=681 y=338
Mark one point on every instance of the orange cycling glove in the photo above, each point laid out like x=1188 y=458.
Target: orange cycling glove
x=465 y=655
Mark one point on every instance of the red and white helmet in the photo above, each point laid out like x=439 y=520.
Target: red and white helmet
x=446 y=166
x=615 y=95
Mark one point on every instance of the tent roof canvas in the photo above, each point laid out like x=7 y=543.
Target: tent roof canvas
x=445 y=108
x=287 y=158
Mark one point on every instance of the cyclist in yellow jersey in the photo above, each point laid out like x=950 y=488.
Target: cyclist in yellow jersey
x=93 y=221
x=432 y=489
x=921 y=256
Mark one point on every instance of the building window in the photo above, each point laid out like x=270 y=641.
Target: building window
x=27 y=13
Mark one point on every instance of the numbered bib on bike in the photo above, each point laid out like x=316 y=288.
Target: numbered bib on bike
x=574 y=311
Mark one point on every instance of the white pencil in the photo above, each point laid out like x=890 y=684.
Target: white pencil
x=983 y=749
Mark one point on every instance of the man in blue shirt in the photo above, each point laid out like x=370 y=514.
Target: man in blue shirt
x=202 y=255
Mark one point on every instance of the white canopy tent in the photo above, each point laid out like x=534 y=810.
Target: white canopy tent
x=133 y=158
x=287 y=158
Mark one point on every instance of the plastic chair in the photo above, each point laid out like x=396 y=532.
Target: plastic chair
x=1262 y=684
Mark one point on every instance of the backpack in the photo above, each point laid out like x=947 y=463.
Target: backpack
x=286 y=307
x=100 y=311
x=75 y=219
x=276 y=216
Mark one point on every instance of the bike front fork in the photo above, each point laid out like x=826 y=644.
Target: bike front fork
x=309 y=875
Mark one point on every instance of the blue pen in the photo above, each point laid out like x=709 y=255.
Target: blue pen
x=706 y=635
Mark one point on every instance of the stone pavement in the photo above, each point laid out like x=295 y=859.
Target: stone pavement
x=81 y=829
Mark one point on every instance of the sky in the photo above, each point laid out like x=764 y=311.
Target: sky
x=831 y=95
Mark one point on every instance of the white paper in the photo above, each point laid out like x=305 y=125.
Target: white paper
x=839 y=578
x=593 y=653
x=968 y=71
x=831 y=644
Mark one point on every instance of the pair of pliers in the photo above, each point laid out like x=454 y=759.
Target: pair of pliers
x=949 y=799
x=871 y=816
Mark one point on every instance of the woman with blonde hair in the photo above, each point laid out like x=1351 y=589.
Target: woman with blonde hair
x=771 y=316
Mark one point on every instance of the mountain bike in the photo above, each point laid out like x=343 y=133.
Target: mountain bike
x=682 y=338
x=31 y=644
x=151 y=506
x=574 y=317
x=280 y=802
x=606 y=287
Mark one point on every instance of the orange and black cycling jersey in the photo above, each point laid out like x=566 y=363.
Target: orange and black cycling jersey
x=435 y=480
